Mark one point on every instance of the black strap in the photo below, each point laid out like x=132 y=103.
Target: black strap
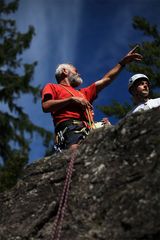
x=66 y=123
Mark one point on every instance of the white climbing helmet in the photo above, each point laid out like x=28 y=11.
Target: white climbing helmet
x=134 y=78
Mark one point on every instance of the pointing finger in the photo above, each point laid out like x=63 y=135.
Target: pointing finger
x=134 y=49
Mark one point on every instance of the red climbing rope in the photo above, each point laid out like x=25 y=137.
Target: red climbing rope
x=57 y=227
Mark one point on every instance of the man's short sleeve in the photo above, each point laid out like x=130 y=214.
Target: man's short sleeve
x=90 y=92
x=48 y=90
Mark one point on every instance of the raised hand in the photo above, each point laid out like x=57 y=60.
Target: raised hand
x=131 y=56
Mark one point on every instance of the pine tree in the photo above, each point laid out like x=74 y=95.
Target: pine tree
x=150 y=66
x=16 y=129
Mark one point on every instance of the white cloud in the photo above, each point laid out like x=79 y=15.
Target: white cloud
x=57 y=26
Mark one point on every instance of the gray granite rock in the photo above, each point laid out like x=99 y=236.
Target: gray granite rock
x=114 y=193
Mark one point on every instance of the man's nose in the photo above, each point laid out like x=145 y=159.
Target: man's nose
x=145 y=85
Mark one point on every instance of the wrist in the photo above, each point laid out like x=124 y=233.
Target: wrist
x=122 y=63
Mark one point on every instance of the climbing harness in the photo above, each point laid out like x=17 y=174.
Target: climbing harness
x=70 y=132
x=57 y=227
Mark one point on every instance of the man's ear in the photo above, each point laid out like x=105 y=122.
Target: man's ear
x=64 y=74
x=133 y=90
x=65 y=71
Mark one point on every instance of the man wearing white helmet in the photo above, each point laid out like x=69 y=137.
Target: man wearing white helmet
x=139 y=86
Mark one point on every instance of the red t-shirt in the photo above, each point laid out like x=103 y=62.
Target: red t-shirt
x=70 y=111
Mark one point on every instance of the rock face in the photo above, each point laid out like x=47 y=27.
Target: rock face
x=114 y=194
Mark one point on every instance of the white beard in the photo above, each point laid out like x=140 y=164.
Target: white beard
x=75 y=80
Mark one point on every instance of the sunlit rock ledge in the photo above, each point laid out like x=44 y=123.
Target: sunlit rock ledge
x=114 y=194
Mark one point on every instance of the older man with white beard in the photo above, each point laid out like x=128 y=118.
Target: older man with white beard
x=71 y=109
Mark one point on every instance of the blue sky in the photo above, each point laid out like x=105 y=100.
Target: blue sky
x=93 y=35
